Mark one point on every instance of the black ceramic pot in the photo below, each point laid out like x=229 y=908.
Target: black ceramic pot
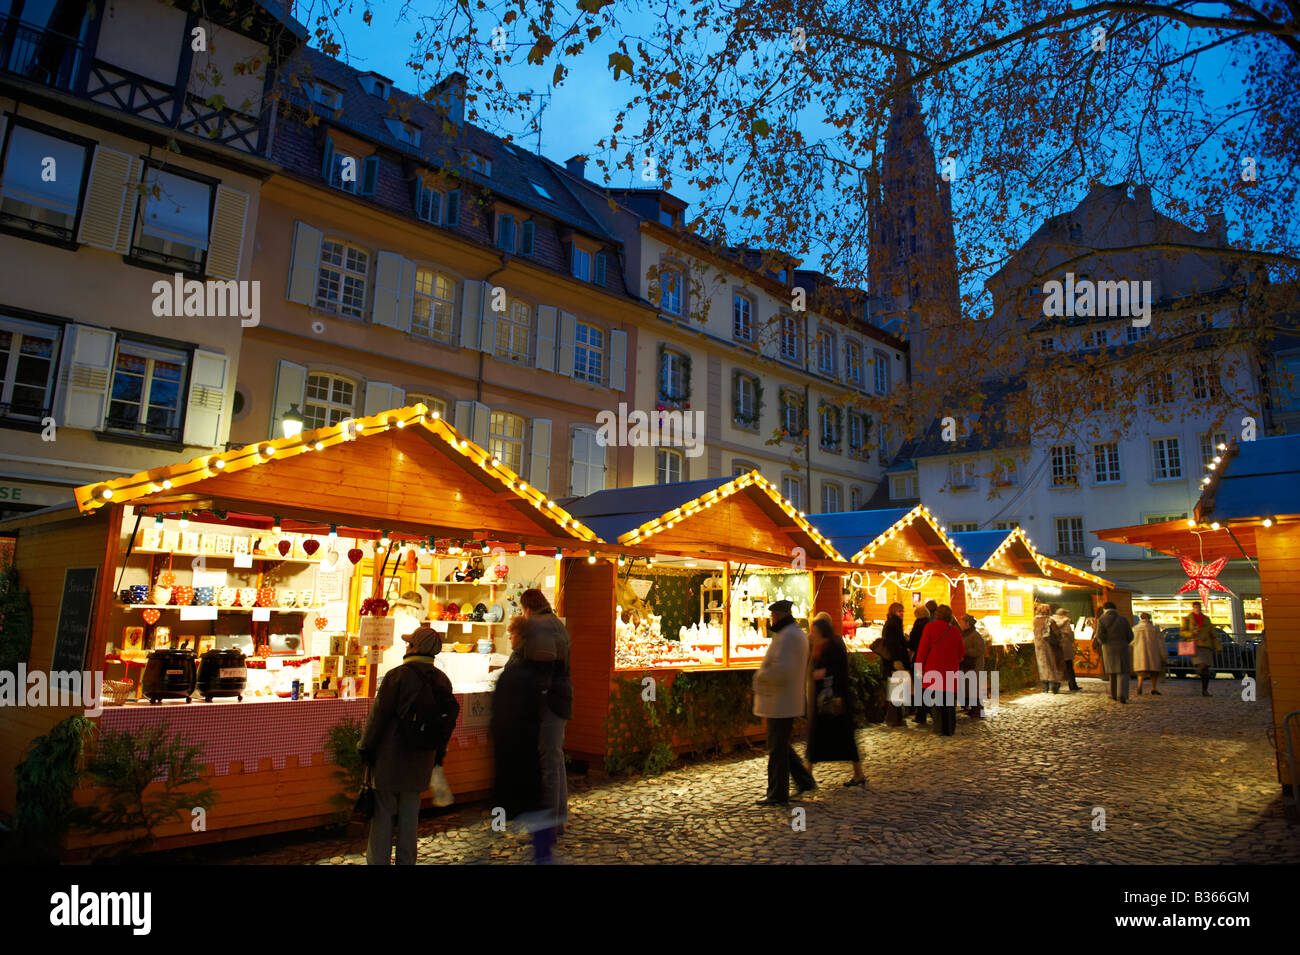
x=222 y=673
x=169 y=675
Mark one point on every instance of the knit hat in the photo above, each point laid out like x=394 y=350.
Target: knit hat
x=425 y=641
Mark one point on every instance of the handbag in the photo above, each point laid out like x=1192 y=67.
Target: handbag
x=1187 y=648
x=441 y=790
x=878 y=648
x=364 y=808
x=828 y=704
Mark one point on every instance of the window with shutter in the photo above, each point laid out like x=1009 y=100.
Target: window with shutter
x=526 y=238
x=145 y=393
x=453 y=207
x=174 y=221
x=27 y=352
x=29 y=199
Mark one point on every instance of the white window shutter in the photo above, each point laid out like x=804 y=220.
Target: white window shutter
x=464 y=417
x=226 y=240
x=290 y=385
x=539 y=462
x=203 y=411
x=85 y=375
x=568 y=328
x=578 y=469
x=108 y=210
x=482 y=415
x=406 y=296
x=546 y=337
x=304 y=262
x=471 y=311
x=488 y=325
x=388 y=281
x=381 y=396
x=618 y=360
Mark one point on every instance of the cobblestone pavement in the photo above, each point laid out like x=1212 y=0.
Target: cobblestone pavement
x=1182 y=780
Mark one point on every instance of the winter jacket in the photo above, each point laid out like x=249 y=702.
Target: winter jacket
x=973 y=642
x=780 y=681
x=547 y=641
x=397 y=767
x=896 y=645
x=1116 y=636
x=515 y=725
x=1149 y=654
x=914 y=638
x=1203 y=634
x=939 y=655
x=1048 y=657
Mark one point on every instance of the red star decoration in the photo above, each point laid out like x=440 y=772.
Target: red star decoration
x=1203 y=578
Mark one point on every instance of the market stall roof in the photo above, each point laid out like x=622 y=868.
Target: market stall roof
x=892 y=535
x=1250 y=487
x=1012 y=552
x=406 y=470
x=742 y=518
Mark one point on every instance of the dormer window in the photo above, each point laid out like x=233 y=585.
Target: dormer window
x=407 y=133
x=376 y=85
x=666 y=217
x=477 y=163
x=325 y=96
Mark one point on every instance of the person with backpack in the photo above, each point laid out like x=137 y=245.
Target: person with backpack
x=406 y=736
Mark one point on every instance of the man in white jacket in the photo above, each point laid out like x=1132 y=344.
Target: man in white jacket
x=780 y=693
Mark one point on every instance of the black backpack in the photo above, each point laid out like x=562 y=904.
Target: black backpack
x=430 y=720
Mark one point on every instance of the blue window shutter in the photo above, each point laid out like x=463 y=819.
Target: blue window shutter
x=370 y=176
x=600 y=269
x=506 y=232
x=526 y=239
x=327 y=167
x=453 y=207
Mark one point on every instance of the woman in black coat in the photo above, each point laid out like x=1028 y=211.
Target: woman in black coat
x=830 y=715
x=895 y=657
x=515 y=725
x=913 y=644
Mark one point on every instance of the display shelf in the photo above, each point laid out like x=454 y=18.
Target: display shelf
x=219 y=609
x=205 y=553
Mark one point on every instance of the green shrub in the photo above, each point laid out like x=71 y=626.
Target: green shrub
x=46 y=779
x=343 y=745
x=15 y=621
x=867 y=685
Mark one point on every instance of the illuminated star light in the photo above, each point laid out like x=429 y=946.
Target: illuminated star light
x=1202 y=578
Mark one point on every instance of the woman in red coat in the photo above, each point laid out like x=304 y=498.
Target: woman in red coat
x=939 y=659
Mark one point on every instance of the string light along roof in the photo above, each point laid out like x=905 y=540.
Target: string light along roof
x=874 y=530
x=177 y=477
x=1053 y=570
x=633 y=515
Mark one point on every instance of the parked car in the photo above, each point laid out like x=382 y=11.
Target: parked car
x=1235 y=657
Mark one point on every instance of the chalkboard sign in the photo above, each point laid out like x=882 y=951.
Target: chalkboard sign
x=74 y=618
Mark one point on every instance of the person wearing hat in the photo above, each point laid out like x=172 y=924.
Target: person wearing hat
x=779 y=696
x=1060 y=622
x=400 y=773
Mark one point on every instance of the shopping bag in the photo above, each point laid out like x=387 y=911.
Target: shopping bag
x=441 y=790
x=900 y=688
x=1187 y=648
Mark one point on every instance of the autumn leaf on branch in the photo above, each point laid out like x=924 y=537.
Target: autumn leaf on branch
x=620 y=63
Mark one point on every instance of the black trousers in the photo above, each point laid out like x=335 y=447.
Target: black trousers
x=945 y=715
x=782 y=761
x=1069 y=675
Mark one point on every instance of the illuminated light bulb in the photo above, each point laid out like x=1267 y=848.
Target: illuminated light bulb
x=485 y=549
x=1191 y=522
x=621 y=560
x=1223 y=447
x=559 y=554
x=436 y=415
x=106 y=493
x=523 y=486
x=334 y=531
x=1268 y=522
x=268 y=451
x=275 y=526
x=167 y=485
x=1214 y=526
x=523 y=551
x=184 y=522
x=463 y=444
x=496 y=462
x=319 y=445
x=383 y=539
x=158 y=521
x=591 y=558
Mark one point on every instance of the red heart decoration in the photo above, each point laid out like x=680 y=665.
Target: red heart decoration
x=284 y=547
x=322 y=623
x=151 y=615
x=311 y=545
x=355 y=555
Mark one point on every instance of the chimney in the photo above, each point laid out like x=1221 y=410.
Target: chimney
x=1146 y=216
x=577 y=166
x=449 y=94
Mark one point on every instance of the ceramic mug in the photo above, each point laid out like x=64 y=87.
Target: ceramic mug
x=140 y=593
x=183 y=594
x=225 y=596
x=247 y=596
x=162 y=595
x=265 y=596
x=203 y=596
x=288 y=598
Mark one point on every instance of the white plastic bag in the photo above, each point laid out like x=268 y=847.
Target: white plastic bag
x=441 y=791
x=900 y=688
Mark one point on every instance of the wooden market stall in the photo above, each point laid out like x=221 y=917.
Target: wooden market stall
x=280 y=548
x=713 y=552
x=1249 y=507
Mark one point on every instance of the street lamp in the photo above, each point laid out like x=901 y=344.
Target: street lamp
x=292 y=422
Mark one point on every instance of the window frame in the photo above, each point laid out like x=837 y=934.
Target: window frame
x=499 y=440
x=838 y=490
x=908 y=480
x=826 y=345
x=576 y=256
x=345 y=271
x=791 y=330
x=580 y=347
x=881 y=370
x=791 y=400
x=1070 y=529
x=508 y=326
x=1068 y=476
x=1110 y=471
x=795 y=481
x=739 y=417
x=1215 y=439
x=27 y=228
x=419 y=296
x=672 y=370
x=737 y=298
x=664 y=455
x=856 y=370
x=151 y=353
x=1164 y=442
x=677 y=305
x=154 y=258
x=18 y=330
x=436 y=212
x=329 y=404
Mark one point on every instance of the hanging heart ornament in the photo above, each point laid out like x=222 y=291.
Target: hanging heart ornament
x=322 y=623
x=151 y=615
x=311 y=545
x=355 y=555
x=330 y=559
x=284 y=547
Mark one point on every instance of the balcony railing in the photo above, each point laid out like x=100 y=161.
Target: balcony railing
x=43 y=56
